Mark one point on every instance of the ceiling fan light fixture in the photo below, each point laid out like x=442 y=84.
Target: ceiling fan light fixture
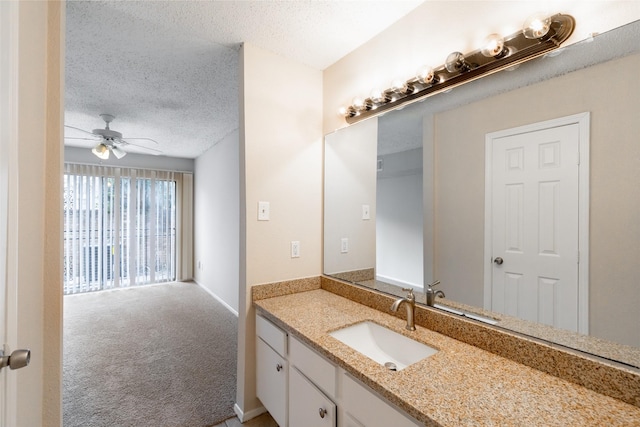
x=111 y=140
x=101 y=151
x=118 y=152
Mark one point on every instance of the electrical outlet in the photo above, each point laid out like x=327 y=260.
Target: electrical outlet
x=263 y=211
x=344 y=245
x=295 y=249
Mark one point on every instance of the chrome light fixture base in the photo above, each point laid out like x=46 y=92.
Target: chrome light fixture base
x=518 y=48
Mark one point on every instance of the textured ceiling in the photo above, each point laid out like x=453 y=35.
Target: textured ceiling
x=169 y=70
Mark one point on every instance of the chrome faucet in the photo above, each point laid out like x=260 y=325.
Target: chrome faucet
x=410 y=301
x=431 y=293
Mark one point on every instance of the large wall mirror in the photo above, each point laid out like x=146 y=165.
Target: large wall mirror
x=405 y=192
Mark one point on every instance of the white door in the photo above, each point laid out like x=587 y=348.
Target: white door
x=4 y=196
x=5 y=25
x=534 y=221
x=20 y=392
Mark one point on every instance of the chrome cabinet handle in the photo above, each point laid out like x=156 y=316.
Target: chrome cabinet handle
x=278 y=367
x=322 y=412
x=498 y=261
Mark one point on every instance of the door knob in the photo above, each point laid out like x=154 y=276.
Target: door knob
x=322 y=412
x=498 y=261
x=18 y=359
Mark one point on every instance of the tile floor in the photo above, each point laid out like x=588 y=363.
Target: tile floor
x=263 y=420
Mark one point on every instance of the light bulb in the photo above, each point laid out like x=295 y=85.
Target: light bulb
x=426 y=75
x=455 y=62
x=494 y=46
x=102 y=151
x=536 y=27
x=118 y=152
x=377 y=96
x=342 y=111
x=358 y=103
x=399 y=86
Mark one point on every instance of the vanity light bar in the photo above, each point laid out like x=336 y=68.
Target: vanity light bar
x=546 y=35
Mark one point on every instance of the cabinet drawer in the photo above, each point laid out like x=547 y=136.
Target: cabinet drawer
x=308 y=406
x=369 y=409
x=271 y=381
x=272 y=335
x=313 y=366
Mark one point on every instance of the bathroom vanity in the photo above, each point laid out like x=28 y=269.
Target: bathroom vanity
x=300 y=387
x=307 y=377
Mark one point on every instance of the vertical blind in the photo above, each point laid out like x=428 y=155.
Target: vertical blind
x=120 y=227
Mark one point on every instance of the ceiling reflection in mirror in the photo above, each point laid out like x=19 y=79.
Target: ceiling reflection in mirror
x=423 y=181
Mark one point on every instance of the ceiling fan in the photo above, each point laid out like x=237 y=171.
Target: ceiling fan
x=111 y=140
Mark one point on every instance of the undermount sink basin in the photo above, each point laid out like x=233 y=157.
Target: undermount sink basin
x=388 y=348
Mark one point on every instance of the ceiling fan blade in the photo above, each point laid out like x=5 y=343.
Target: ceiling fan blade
x=76 y=137
x=81 y=130
x=155 y=152
x=146 y=139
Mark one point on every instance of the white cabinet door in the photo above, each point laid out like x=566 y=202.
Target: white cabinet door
x=271 y=381
x=316 y=368
x=369 y=410
x=349 y=421
x=308 y=406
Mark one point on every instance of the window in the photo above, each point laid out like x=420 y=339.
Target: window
x=120 y=227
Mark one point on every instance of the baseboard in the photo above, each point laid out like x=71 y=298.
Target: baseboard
x=246 y=416
x=227 y=306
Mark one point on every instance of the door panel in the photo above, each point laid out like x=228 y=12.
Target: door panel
x=534 y=222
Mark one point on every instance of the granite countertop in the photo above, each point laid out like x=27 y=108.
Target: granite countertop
x=461 y=385
x=586 y=343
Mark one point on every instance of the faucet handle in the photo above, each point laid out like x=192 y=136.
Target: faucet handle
x=432 y=285
x=410 y=294
x=430 y=293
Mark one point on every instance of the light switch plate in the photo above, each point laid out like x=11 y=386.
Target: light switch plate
x=263 y=211
x=344 y=245
x=365 y=212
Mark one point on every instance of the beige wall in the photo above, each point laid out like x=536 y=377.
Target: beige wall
x=280 y=162
x=614 y=195
x=420 y=38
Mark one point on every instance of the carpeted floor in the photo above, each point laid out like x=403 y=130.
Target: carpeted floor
x=161 y=356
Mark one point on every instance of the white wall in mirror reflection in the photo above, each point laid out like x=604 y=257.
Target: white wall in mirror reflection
x=350 y=182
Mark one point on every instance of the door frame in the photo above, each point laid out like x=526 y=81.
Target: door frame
x=583 y=122
x=8 y=125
